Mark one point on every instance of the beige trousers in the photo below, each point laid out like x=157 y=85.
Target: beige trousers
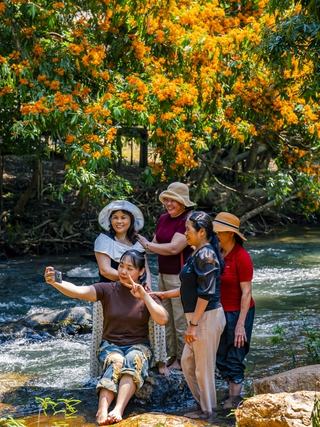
x=199 y=359
x=177 y=324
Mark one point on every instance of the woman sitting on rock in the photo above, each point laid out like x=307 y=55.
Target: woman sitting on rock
x=125 y=353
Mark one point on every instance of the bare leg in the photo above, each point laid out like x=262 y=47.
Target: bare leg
x=234 y=396
x=176 y=365
x=126 y=390
x=105 y=399
x=171 y=360
x=163 y=369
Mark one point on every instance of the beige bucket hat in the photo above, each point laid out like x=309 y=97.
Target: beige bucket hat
x=179 y=192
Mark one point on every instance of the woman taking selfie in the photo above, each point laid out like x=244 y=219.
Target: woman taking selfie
x=125 y=353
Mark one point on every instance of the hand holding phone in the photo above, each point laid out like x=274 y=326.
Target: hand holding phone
x=57 y=276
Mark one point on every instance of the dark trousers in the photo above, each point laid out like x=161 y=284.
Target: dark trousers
x=230 y=358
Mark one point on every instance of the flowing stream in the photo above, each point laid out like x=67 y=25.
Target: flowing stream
x=286 y=280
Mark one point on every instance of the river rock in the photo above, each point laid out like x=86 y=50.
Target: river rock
x=164 y=392
x=304 y=378
x=157 y=419
x=46 y=324
x=10 y=382
x=277 y=410
x=77 y=315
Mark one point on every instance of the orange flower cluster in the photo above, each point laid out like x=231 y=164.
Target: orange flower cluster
x=65 y=102
x=5 y=91
x=181 y=68
x=94 y=57
x=111 y=133
x=37 y=107
x=38 y=50
x=98 y=112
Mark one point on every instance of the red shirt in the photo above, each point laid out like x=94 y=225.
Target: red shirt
x=238 y=268
x=167 y=227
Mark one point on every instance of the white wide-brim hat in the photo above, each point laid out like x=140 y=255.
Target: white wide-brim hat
x=121 y=205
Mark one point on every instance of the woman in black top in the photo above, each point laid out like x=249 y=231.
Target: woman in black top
x=200 y=295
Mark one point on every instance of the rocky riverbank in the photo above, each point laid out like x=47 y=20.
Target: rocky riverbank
x=169 y=395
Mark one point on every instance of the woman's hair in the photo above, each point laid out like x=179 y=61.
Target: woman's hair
x=131 y=233
x=203 y=220
x=138 y=260
x=238 y=239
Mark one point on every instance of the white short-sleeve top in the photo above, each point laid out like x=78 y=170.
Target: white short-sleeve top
x=106 y=245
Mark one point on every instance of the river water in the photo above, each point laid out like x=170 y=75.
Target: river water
x=286 y=280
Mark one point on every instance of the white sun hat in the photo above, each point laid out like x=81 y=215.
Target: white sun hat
x=121 y=205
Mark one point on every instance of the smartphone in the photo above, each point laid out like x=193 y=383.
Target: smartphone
x=57 y=276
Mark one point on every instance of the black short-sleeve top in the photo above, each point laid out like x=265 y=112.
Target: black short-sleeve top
x=200 y=278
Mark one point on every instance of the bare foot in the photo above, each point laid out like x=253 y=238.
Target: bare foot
x=232 y=403
x=197 y=415
x=171 y=360
x=102 y=417
x=115 y=416
x=163 y=369
x=176 y=365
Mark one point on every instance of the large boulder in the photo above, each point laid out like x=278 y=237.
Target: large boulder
x=141 y=420
x=277 y=410
x=304 y=378
x=157 y=419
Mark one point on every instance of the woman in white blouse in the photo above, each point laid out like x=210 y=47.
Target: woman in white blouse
x=121 y=221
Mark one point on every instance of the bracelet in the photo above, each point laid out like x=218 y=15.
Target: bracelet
x=193 y=324
x=147 y=245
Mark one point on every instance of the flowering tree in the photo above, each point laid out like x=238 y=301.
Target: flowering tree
x=190 y=72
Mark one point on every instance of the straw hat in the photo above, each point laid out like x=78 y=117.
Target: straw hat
x=120 y=205
x=179 y=192
x=225 y=221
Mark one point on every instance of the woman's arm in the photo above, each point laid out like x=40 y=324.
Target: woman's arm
x=104 y=264
x=87 y=293
x=157 y=312
x=240 y=336
x=149 y=277
x=177 y=244
x=190 y=334
x=173 y=293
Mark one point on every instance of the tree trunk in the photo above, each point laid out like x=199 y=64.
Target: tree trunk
x=264 y=207
x=243 y=156
x=40 y=182
x=229 y=161
x=249 y=166
x=213 y=156
x=19 y=208
x=143 y=161
x=73 y=212
x=1 y=181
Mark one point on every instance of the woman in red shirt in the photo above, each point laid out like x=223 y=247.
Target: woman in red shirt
x=237 y=303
